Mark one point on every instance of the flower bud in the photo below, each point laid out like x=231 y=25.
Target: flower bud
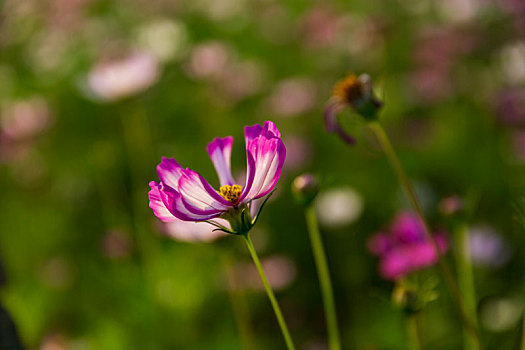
x=305 y=187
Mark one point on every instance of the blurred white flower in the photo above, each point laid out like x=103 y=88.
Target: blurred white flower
x=189 y=231
x=165 y=39
x=513 y=62
x=338 y=207
x=488 y=247
x=501 y=314
x=116 y=79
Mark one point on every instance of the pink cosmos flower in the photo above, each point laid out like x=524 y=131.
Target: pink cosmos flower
x=405 y=248
x=184 y=194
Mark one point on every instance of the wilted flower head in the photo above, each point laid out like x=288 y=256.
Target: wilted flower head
x=355 y=92
x=186 y=195
x=405 y=248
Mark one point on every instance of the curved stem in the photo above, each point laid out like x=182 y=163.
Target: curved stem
x=269 y=291
x=411 y=194
x=324 y=278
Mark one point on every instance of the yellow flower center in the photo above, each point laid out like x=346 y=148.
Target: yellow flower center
x=348 y=90
x=230 y=193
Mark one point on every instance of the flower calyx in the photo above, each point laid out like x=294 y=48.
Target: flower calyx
x=239 y=218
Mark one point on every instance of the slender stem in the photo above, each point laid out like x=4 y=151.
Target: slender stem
x=239 y=307
x=412 y=333
x=466 y=279
x=269 y=291
x=324 y=278
x=409 y=190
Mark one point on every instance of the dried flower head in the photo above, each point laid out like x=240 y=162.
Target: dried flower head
x=356 y=93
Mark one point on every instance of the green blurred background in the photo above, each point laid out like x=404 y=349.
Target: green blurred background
x=93 y=93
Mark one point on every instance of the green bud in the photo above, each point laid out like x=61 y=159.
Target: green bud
x=305 y=188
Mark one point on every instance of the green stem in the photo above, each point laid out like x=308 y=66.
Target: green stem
x=269 y=291
x=466 y=280
x=409 y=190
x=412 y=333
x=324 y=278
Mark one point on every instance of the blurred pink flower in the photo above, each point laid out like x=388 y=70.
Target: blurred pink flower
x=241 y=80
x=510 y=106
x=299 y=153
x=21 y=122
x=208 y=60
x=320 y=26
x=25 y=118
x=451 y=205
x=293 y=96
x=66 y=14
x=437 y=50
x=405 y=248
x=516 y=9
x=116 y=79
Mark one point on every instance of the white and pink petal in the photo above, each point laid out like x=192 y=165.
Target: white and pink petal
x=220 y=150
x=198 y=193
x=157 y=204
x=169 y=172
x=265 y=157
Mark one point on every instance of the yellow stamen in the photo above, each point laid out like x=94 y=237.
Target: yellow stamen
x=348 y=90
x=230 y=193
